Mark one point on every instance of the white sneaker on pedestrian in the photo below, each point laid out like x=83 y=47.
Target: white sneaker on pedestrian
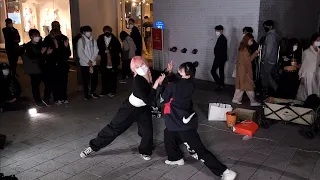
x=179 y=162
x=122 y=81
x=86 y=152
x=254 y=104
x=66 y=102
x=111 y=95
x=236 y=102
x=229 y=175
x=146 y=157
x=58 y=102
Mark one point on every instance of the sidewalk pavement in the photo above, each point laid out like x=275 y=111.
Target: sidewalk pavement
x=47 y=147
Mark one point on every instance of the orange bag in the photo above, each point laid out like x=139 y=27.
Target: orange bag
x=231 y=119
x=246 y=128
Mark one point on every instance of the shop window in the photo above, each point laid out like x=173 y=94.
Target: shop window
x=38 y=14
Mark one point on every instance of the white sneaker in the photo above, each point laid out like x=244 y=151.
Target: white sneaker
x=229 y=175
x=146 y=157
x=66 y=102
x=179 y=162
x=86 y=152
x=255 y=104
x=58 y=102
x=236 y=102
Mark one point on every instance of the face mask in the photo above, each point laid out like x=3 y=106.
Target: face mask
x=142 y=71
x=266 y=29
x=87 y=34
x=317 y=43
x=218 y=33
x=36 y=39
x=130 y=26
x=295 y=47
x=107 y=34
x=5 y=72
x=243 y=35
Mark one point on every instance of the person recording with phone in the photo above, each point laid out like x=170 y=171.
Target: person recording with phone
x=56 y=65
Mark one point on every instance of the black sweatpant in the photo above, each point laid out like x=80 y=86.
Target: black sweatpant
x=125 y=71
x=36 y=80
x=61 y=85
x=13 y=58
x=125 y=117
x=218 y=65
x=109 y=80
x=86 y=77
x=173 y=140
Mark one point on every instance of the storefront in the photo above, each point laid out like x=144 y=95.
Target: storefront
x=38 y=14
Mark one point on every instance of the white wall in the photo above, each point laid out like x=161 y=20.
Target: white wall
x=190 y=24
x=99 y=13
x=293 y=18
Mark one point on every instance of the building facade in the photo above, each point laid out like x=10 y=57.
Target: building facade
x=190 y=24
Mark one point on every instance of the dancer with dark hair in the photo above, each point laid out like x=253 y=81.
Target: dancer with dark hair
x=182 y=123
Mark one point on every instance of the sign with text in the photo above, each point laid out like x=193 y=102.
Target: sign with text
x=159 y=24
x=157 y=39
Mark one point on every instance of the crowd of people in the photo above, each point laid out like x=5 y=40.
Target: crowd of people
x=274 y=67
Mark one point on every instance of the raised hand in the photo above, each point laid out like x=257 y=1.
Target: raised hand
x=43 y=50
x=49 y=51
x=66 y=43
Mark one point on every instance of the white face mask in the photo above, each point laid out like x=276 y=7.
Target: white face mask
x=142 y=71
x=87 y=34
x=295 y=47
x=36 y=39
x=317 y=43
x=218 y=33
x=130 y=26
x=243 y=35
x=5 y=72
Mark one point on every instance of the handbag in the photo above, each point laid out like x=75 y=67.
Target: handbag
x=218 y=111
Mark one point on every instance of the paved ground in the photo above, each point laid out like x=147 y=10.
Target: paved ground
x=48 y=146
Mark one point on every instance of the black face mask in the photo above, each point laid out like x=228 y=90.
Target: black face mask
x=107 y=34
x=266 y=29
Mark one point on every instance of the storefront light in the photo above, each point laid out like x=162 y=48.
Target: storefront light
x=134 y=4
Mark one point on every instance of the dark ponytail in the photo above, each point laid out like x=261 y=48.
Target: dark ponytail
x=189 y=68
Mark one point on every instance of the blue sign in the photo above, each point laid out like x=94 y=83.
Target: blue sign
x=159 y=24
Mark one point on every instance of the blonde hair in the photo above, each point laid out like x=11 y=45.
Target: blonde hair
x=139 y=60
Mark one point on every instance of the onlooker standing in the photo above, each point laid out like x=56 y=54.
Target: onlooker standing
x=310 y=70
x=269 y=57
x=147 y=25
x=128 y=52
x=255 y=63
x=57 y=66
x=136 y=36
x=109 y=51
x=290 y=63
x=33 y=62
x=244 y=77
x=76 y=57
x=12 y=39
x=220 y=53
x=87 y=53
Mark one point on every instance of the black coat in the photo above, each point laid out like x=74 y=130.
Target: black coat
x=12 y=39
x=114 y=49
x=60 y=56
x=136 y=36
x=221 y=49
x=10 y=88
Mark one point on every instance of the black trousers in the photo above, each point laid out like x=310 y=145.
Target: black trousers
x=125 y=117
x=13 y=61
x=109 y=80
x=218 y=65
x=61 y=84
x=36 y=80
x=289 y=85
x=173 y=140
x=86 y=77
x=125 y=71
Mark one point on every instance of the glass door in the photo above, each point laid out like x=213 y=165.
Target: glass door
x=142 y=12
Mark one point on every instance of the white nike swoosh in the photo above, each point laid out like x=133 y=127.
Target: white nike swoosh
x=186 y=120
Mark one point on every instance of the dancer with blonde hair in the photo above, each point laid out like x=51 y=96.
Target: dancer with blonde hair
x=134 y=109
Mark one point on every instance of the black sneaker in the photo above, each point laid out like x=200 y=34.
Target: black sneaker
x=47 y=102
x=40 y=104
x=94 y=96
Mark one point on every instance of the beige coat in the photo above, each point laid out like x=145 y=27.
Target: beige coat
x=244 y=77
